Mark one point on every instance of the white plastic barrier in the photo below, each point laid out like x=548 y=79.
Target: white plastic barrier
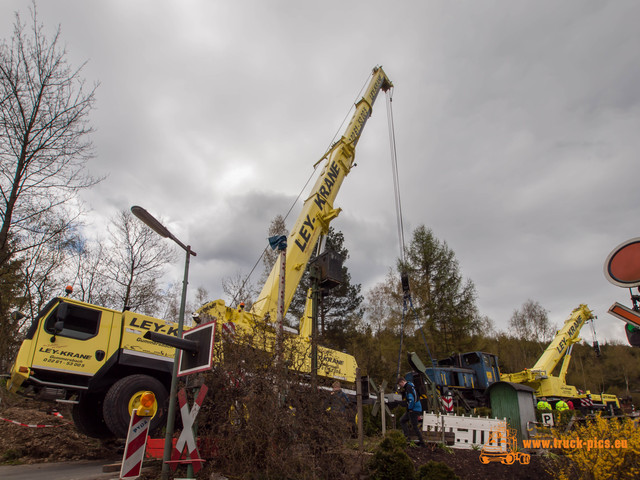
x=468 y=431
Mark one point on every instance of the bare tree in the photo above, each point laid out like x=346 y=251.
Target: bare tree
x=202 y=297
x=173 y=297
x=531 y=322
x=44 y=148
x=43 y=268
x=383 y=307
x=134 y=264
x=44 y=145
x=239 y=290
x=89 y=273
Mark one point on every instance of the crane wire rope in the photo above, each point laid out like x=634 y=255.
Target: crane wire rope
x=398 y=211
x=398 y=208
x=394 y=170
x=406 y=301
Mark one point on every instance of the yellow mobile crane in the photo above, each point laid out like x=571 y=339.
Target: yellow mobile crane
x=313 y=221
x=541 y=377
x=99 y=359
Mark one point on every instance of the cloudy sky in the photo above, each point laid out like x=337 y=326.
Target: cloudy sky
x=517 y=127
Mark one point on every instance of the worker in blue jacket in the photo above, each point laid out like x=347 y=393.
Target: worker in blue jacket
x=414 y=409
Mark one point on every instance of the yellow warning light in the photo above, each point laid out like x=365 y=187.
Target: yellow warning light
x=148 y=405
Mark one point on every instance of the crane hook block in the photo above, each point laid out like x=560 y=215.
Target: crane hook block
x=404 y=278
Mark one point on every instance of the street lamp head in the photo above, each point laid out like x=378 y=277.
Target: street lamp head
x=151 y=222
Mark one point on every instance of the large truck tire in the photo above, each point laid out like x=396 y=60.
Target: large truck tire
x=124 y=396
x=87 y=416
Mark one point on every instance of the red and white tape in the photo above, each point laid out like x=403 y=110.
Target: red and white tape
x=31 y=425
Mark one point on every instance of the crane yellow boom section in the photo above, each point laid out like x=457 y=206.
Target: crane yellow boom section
x=318 y=209
x=556 y=351
x=541 y=377
x=257 y=325
x=566 y=336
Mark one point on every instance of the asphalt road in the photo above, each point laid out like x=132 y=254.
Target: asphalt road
x=82 y=470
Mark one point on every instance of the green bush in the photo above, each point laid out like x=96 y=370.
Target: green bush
x=372 y=425
x=390 y=461
x=562 y=418
x=613 y=452
x=482 y=412
x=12 y=455
x=393 y=439
x=391 y=465
x=436 y=471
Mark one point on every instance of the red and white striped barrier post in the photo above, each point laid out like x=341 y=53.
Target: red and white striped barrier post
x=447 y=402
x=134 y=449
x=137 y=437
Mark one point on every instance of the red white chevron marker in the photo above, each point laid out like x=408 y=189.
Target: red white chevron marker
x=135 y=446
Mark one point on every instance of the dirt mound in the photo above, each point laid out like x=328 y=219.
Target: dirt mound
x=466 y=464
x=31 y=433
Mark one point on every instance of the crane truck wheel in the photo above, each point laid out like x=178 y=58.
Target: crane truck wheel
x=87 y=416
x=124 y=396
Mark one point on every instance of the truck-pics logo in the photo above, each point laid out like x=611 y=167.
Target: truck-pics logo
x=502 y=447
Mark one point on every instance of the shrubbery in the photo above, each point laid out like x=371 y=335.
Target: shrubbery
x=597 y=457
x=261 y=421
x=436 y=471
x=390 y=461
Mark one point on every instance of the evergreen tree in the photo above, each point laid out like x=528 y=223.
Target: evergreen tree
x=444 y=301
x=11 y=282
x=340 y=308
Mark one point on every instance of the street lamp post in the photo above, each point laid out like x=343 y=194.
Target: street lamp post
x=161 y=230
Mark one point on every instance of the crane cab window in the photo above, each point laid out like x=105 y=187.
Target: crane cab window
x=471 y=359
x=79 y=322
x=487 y=360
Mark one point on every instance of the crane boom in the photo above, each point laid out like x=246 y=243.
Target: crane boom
x=555 y=352
x=566 y=336
x=318 y=209
x=541 y=377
